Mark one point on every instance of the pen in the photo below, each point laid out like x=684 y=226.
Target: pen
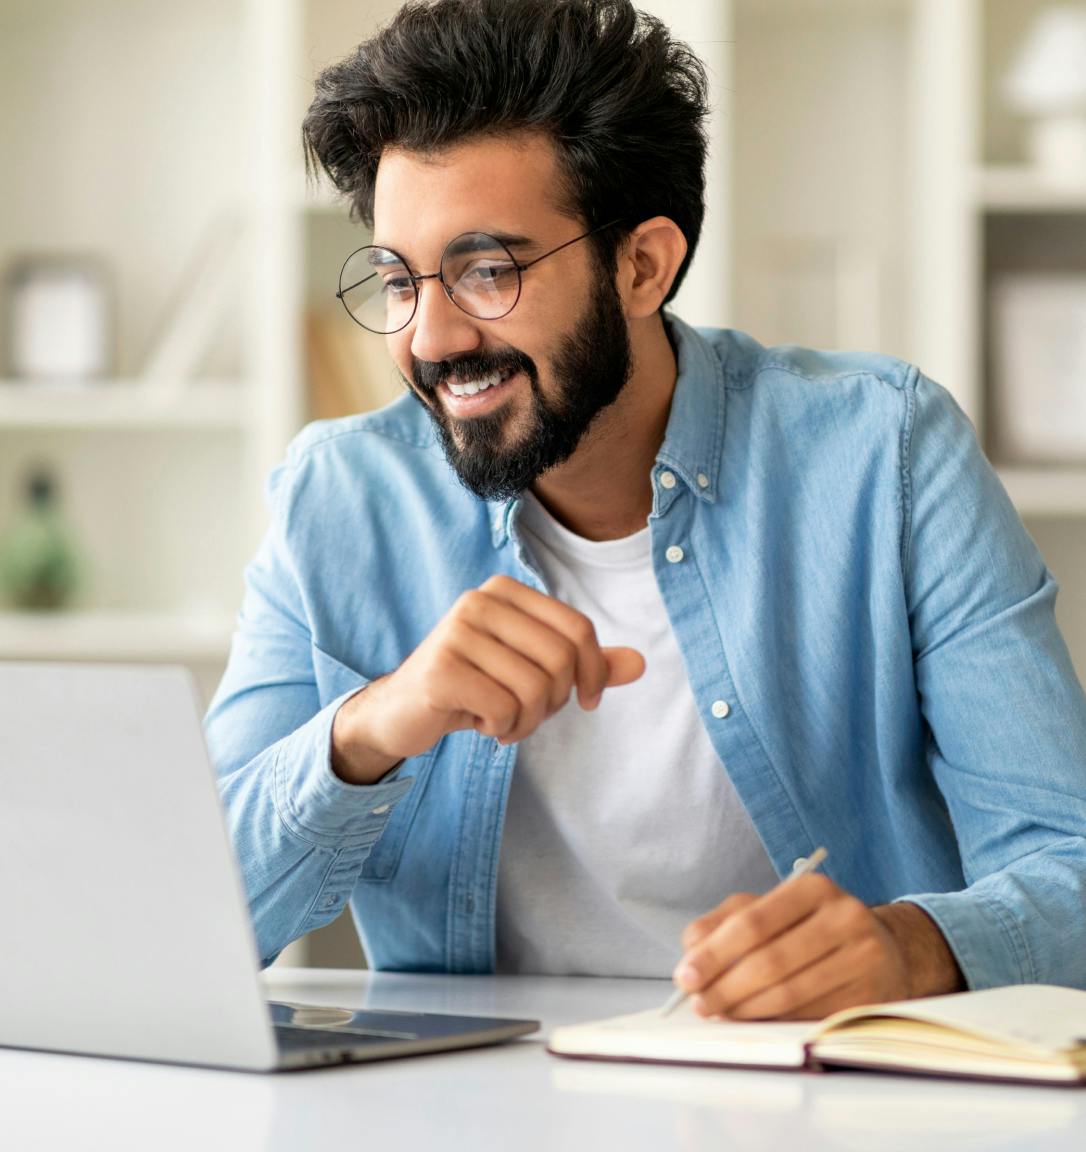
x=804 y=864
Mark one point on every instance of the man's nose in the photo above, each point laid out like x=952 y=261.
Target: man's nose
x=441 y=329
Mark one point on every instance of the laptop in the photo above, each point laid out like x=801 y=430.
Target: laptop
x=126 y=931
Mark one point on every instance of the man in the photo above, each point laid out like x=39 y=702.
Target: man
x=719 y=604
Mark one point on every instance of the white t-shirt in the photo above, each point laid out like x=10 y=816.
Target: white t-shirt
x=622 y=825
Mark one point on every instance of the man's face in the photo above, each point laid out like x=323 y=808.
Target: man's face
x=562 y=354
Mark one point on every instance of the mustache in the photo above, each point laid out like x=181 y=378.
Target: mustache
x=429 y=375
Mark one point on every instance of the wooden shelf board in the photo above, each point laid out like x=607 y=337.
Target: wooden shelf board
x=113 y=635
x=1023 y=189
x=120 y=404
x=1046 y=491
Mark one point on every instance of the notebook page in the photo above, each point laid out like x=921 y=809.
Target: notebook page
x=1041 y=1016
x=685 y=1037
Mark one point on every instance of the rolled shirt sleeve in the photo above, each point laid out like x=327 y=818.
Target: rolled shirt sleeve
x=300 y=833
x=1005 y=711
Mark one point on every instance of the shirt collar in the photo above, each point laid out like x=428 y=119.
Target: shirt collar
x=694 y=438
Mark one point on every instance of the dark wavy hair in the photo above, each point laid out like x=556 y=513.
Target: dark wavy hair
x=623 y=102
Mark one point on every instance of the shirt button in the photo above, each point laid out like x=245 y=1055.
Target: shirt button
x=798 y=863
x=667 y=480
x=703 y=480
x=720 y=709
x=381 y=810
x=674 y=554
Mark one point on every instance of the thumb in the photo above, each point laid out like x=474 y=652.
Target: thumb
x=624 y=665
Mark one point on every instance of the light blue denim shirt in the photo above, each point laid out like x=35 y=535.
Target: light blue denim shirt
x=853 y=583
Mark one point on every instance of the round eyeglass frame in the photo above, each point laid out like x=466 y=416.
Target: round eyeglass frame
x=417 y=278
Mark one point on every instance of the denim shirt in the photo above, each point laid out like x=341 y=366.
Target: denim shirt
x=842 y=569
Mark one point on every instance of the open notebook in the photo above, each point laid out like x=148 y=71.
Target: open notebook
x=1032 y=1032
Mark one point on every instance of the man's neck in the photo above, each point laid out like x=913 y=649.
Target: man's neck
x=604 y=490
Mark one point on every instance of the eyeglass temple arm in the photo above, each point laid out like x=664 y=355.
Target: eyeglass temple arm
x=576 y=239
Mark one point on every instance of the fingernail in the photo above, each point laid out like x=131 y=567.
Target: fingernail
x=686 y=976
x=593 y=702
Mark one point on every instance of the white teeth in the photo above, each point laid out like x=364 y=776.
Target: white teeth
x=472 y=386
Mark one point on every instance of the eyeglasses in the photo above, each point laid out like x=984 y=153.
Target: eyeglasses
x=478 y=272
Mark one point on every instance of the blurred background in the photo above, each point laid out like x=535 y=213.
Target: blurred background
x=906 y=176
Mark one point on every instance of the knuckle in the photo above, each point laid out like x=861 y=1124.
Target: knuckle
x=443 y=660
x=753 y=923
x=537 y=686
x=583 y=630
x=455 y=632
x=566 y=653
x=504 y=717
x=470 y=604
x=497 y=583
x=854 y=913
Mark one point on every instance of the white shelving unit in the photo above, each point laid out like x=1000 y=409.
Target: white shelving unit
x=180 y=121
x=872 y=132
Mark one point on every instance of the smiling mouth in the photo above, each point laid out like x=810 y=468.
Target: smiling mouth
x=477 y=384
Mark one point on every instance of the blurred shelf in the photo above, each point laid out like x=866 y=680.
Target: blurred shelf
x=1023 y=189
x=113 y=635
x=122 y=404
x=1046 y=491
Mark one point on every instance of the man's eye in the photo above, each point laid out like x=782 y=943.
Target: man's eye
x=398 y=286
x=489 y=275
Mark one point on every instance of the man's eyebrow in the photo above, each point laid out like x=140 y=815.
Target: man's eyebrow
x=509 y=239
x=381 y=255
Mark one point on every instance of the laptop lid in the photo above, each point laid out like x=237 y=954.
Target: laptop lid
x=126 y=931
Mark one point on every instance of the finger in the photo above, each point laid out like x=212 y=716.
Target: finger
x=750 y=928
x=698 y=929
x=474 y=700
x=830 y=927
x=624 y=666
x=592 y=670
x=515 y=673
x=838 y=980
x=552 y=650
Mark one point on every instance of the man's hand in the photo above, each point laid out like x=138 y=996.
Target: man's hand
x=502 y=661
x=806 y=949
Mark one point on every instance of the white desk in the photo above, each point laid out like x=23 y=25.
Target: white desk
x=512 y=1097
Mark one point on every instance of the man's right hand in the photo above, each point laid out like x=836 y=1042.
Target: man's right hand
x=503 y=660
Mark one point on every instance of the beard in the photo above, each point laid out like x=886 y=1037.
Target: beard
x=591 y=367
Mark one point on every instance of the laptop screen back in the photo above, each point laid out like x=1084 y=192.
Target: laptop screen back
x=125 y=927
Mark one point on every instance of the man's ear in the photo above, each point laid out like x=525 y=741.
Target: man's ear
x=648 y=262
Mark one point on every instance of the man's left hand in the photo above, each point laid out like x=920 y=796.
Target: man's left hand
x=806 y=949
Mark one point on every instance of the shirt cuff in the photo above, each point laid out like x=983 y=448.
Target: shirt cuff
x=315 y=804
x=983 y=936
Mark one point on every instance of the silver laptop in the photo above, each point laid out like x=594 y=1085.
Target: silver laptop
x=125 y=929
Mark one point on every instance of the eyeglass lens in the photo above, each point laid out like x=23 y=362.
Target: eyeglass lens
x=478 y=272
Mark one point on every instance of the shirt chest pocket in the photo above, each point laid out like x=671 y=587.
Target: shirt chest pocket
x=334 y=679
